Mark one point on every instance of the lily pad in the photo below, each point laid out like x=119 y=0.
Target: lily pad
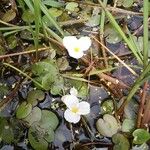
x=34 y=116
x=94 y=21
x=107 y=126
x=121 y=142
x=12 y=41
x=49 y=120
x=107 y=106
x=39 y=137
x=35 y=96
x=28 y=16
x=111 y=35
x=62 y=63
x=9 y=16
x=128 y=125
x=23 y=110
x=140 y=136
x=6 y=132
x=128 y=3
x=71 y=6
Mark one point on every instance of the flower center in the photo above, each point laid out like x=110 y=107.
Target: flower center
x=74 y=109
x=77 y=49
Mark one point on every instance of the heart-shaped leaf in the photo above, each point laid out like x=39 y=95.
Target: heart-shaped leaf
x=140 y=136
x=107 y=126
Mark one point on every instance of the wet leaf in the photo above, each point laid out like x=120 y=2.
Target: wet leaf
x=107 y=106
x=6 y=132
x=49 y=120
x=111 y=35
x=44 y=67
x=121 y=142
x=55 y=12
x=34 y=116
x=140 y=136
x=62 y=63
x=128 y=3
x=23 y=110
x=39 y=137
x=28 y=16
x=107 y=126
x=128 y=125
x=35 y=96
x=12 y=41
x=94 y=21
x=53 y=3
x=9 y=16
x=71 y=6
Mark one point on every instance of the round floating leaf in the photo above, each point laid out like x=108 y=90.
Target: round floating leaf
x=6 y=132
x=107 y=106
x=107 y=126
x=9 y=16
x=111 y=35
x=23 y=110
x=39 y=137
x=55 y=12
x=34 y=116
x=62 y=63
x=128 y=3
x=44 y=67
x=121 y=142
x=94 y=21
x=12 y=41
x=35 y=96
x=71 y=6
x=28 y=16
x=49 y=119
x=140 y=136
x=128 y=125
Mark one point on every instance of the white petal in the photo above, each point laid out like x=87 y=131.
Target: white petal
x=71 y=117
x=84 y=108
x=76 y=55
x=84 y=43
x=73 y=91
x=70 y=100
x=70 y=42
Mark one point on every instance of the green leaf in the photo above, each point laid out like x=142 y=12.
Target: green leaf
x=128 y=3
x=49 y=119
x=12 y=41
x=28 y=16
x=23 y=110
x=112 y=36
x=44 y=67
x=128 y=125
x=3 y=90
x=39 y=137
x=53 y=3
x=35 y=96
x=71 y=6
x=6 y=132
x=107 y=106
x=121 y=142
x=94 y=21
x=34 y=116
x=140 y=136
x=9 y=16
x=108 y=126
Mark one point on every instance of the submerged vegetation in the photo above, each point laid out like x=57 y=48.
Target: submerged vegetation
x=75 y=74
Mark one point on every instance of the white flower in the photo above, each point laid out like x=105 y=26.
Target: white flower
x=76 y=47
x=74 y=108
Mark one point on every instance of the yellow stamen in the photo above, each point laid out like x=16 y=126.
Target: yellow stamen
x=74 y=109
x=76 y=49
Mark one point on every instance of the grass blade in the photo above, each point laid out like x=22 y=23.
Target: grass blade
x=122 y=34
x=145 y=38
